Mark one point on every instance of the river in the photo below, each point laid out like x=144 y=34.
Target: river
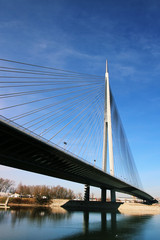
x=58 y=223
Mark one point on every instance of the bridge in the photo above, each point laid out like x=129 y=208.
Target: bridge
x=57 y=122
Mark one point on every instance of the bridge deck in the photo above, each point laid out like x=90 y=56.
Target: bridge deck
x=25 y=151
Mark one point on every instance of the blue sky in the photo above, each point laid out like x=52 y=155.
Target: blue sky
x=80 y=35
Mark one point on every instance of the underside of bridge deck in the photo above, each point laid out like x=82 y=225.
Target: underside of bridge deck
x=25 y=151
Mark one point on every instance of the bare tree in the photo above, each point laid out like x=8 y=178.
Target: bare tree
x=43 y=190
x=79 y=196
x=6 y=185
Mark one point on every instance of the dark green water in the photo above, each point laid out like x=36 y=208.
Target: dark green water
x=46 y=224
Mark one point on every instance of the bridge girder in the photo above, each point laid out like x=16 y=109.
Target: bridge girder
x=27 y=152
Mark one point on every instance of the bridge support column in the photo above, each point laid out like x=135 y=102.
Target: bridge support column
x=86 y=192
x=103 y=195
x=113 y=195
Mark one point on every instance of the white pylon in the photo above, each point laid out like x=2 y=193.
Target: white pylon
x=107 y=127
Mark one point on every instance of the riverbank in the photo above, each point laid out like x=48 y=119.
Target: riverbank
x=75 y=205
x=23 y=202
x=139 y=209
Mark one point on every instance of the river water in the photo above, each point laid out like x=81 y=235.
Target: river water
x=47 y=224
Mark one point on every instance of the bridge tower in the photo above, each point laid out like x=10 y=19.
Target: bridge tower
x=107 y=141
x=107 y=132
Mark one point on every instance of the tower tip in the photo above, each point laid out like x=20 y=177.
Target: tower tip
x=106 y=66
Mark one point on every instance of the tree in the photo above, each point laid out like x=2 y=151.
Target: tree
x=49 y=192
x=6 y=185
x=19 y=189
x=79 y=196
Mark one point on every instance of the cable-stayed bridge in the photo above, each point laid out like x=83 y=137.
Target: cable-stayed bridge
x=61 y=123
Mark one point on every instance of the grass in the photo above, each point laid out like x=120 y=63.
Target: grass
x=3 y=199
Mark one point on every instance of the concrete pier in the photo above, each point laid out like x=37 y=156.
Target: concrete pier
x=86 y=193
x=113 y=195
x=103 y=195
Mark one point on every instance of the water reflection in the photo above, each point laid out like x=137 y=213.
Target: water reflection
x=111 y=226
x=38 y=215
x=57 y=223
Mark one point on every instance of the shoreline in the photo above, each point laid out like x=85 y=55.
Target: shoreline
x=76 y=205
x=139 y=209
x=26 y=205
